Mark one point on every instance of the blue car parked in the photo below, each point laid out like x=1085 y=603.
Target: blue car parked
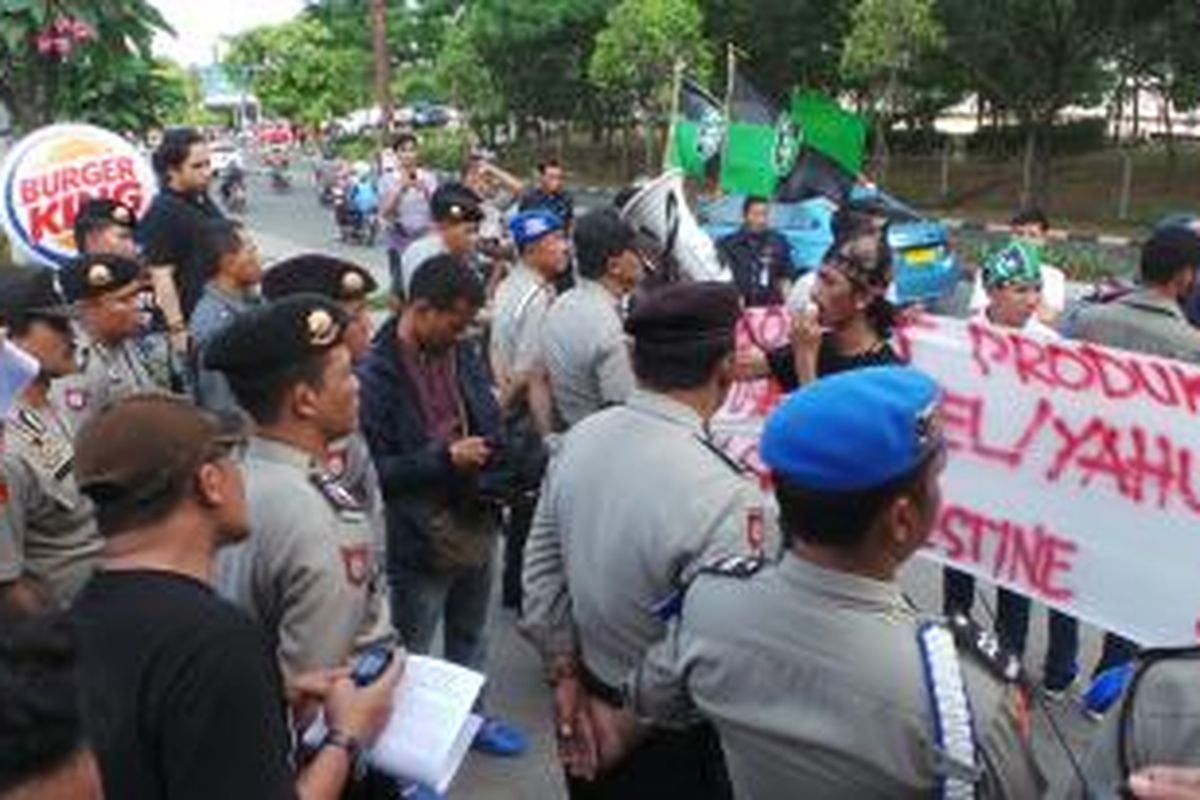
x=924 y=265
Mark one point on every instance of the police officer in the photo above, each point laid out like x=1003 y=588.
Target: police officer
x=105 y=289
x=820 y=677
x=522 y=301
x=309 y=571
x=348 y=285
x=636 y=499
x=53 y=552
x=104 y=225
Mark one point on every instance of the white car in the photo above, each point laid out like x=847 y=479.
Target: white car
x=224 y=155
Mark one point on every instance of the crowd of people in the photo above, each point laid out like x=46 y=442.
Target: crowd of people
x=225 y=483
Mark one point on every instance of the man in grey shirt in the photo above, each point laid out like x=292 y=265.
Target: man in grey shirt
x=583 y=344
x=456 y=218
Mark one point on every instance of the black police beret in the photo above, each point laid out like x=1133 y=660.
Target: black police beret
x=685 y=312
x=93 y=275
x=316 y=273
x=26 y=293
x=454 y=202
x=277 y=336
x=105 y=211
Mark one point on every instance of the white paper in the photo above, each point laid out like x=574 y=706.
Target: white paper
x=17 y=370
x=431 y=727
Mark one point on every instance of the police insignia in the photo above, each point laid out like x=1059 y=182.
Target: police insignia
x=734 y=566
x=76 y=399
x=3 y=490
x=335 y=462
x=353 y=283
x=984 y=647
x=99 y=276
x=357 y=562
x=322 y=328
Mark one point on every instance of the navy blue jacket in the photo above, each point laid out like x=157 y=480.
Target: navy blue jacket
x=415 y=472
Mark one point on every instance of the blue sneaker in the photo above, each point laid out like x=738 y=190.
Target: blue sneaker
x=497 y=738
x=1106 y=689
x=419 y=791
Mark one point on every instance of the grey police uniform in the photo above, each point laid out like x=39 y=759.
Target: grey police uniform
x=213 y=313
x=16 y=487
x=815 y=681
x=635 y=501
x=106 y=373
x=586 y=352
x=1157 y=722
x=1144 y=322
x=522 y=300
x=309 y=571
x=60 y=545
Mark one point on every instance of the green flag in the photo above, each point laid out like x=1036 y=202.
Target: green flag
x=697 y=130
x=824 y=126
x=760 y=144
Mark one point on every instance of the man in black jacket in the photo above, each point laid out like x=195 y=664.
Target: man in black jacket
x=435 y=434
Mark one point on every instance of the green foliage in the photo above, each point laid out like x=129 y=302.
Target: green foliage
x=300 y=71
x=464 y=77
x=442 y=149
x=889 y=43
x=636 y=52
x=104 y=64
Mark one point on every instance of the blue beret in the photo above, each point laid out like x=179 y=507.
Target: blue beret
x=529 y=226
x=854 y=431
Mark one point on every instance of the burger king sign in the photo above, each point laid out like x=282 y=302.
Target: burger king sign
x=48 y=174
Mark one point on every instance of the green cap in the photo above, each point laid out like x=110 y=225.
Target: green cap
x=1016 y=262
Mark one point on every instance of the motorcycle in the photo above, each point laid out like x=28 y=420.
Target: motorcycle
x=233 y=190
x=277 y=164
x=355 y=225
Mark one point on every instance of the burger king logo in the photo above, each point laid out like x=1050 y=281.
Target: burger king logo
x=48 y=175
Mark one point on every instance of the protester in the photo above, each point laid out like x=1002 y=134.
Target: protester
x=310 y=573
x=583 y=343
x=1012 y=277
x=436 y=437
x=498 y=191
x=181 y=695
x=170 y=232
x=1149 y=320
x=821 y=678
x=637 y=498
x=52 y=559
x=852 y=319
x=456 y=217
x=105 y=290
x=236 y=269
x=405 y=192
x=44 y=752
x=105 y=226
x=521 y=303
x=759 y=257
x=348 y=285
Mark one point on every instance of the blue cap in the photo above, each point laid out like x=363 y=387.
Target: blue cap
x=529 y=226
x=854 y=431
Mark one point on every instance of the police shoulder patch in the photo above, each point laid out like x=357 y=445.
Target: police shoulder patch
x=984 y=647
x=734 y=566
x=338 y=496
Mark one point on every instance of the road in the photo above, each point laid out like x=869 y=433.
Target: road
x=289 y=223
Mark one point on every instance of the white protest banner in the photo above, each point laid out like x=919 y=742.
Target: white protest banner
x=1073 y=474
x=46 y=176
x=737 y=424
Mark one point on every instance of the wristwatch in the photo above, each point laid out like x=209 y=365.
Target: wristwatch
x=353 y=748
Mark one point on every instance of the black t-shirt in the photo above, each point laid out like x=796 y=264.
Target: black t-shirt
x=759 y=261
x=829 y=361
x=561 y=203
x=170 y=233
x=181 y=696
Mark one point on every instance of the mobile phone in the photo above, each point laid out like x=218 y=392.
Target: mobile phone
x=370 y=664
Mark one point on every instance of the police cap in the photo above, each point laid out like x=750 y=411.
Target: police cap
x=27 y=293
x=277 y=336
x=316 y=273
x=454 y=202
x=98 y=274
x=854 y=431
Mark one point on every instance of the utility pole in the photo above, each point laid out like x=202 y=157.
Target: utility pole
x=383 y=90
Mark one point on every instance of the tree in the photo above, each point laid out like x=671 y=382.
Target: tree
x=299 y=70
x=48 y=48
x=466 y=80
x=1031 y=58
x=888 y=39
x=786 y=42
x=130 y=94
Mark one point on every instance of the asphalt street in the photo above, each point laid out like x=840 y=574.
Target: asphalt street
x=292 y=222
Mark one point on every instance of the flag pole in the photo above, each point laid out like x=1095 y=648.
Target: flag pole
x=676 y=88
x=730 y=67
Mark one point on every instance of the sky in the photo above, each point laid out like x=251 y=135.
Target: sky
x=199 y=24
